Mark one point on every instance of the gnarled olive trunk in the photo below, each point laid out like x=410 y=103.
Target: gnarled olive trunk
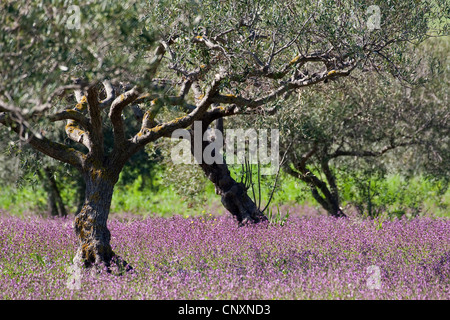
x=233 y=194
x=328 y=197
x=90 y=224
x=329 y=202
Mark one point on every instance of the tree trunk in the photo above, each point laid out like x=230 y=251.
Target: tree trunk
x=329 y=200
x=54 y=200
x=333 y=194
x=51 y=203
x=94 y=248
x=55 y=195
x=233 y=194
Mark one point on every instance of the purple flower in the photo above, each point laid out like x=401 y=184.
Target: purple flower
x=310 y=257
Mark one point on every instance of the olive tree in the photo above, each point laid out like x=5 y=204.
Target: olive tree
x=259 y=80
x=89 y=66
x=392 y=124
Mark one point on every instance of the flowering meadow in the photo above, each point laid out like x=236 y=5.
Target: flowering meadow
x=309 y=257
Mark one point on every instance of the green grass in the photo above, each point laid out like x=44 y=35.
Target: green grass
x=394 y=194
x=18 y=200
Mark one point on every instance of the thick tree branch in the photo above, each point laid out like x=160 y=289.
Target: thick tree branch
x=321 y=200
x=72 y=114
x=220 y=112
x=52 y=149
x=147 y=135
x=73 y=130
x=6 y=107
x=306 y=156
x=115 y=115
x=330 y=178
x=110 y=95
x=96 y=132
x=287 y=86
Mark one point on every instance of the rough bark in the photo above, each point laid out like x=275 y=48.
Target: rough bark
x=81 y=191
x=90 y=224
x=233 y=194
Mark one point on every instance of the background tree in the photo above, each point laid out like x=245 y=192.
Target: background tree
x=184 y=56
x=350 y=127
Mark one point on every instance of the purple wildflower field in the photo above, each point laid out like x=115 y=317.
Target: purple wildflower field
x=310 y=257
